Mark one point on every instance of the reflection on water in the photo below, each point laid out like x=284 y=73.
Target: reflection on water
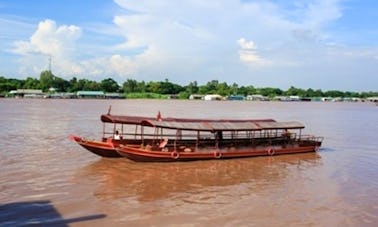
x=152 y=181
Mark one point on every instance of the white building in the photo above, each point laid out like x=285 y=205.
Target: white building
x=372 y=99
x=212 y=97
x=196 y=96
x=257 y=98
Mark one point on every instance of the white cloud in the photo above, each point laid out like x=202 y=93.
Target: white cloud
x=50 y=40
x=246 y=45
x=197 y=40
x=195 y=33
x=208 y=29
x=319 y=13
x=248 y=53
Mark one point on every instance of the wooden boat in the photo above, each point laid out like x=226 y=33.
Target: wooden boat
x=106 y=146
x=173 y=139
x=128 y=127
x=101 y=148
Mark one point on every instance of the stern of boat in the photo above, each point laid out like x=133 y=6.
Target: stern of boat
x=311 y=140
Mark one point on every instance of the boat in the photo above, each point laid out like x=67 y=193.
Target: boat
x=106 y=146
x=179 y=139
x=102 y=148
x=129 y=127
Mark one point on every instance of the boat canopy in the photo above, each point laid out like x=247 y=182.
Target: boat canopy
x=281 y=125
x=122 y=119
x=223 y=125
x=137 y=120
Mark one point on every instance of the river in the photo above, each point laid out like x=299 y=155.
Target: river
x=46 y=179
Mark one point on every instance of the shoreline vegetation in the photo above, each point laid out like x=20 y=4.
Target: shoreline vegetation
x=51 y=86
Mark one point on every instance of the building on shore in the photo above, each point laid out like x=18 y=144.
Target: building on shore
x=114 y=96
x=372 y=99
x=257 y=97
x=214 y=97
x=236 y=98
x=26 y=93
x=90 y=94
x=196 y=97
x=61 y=95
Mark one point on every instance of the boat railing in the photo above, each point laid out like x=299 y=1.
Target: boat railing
x=311 y=138
x=207 y=136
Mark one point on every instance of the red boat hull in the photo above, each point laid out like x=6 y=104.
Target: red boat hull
x=103 y=149
x=141 y=155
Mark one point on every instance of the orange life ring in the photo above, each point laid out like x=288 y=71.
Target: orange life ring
x=217 y=154
x=83 y=140
x=175 y=155
x=271 y=151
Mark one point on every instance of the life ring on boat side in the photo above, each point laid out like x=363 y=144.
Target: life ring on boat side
x=83 y=140
x=217 y=154
x=175 y=155
x=271 y=151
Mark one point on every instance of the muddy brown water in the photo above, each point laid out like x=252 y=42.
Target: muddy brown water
x=47 y=179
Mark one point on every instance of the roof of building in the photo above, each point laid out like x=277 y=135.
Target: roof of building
x=26 y=91
x=90 y=93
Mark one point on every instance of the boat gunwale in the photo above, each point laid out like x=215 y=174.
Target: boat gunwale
x=147 y=155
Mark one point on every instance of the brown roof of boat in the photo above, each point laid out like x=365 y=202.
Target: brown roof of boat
x=202 y=125
x=223 y=125
x=232 y=126
x=280 y=125
x=123 y=119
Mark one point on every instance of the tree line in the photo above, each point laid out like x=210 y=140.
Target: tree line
x=47 y=80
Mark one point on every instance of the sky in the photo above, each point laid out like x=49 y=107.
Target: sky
x=318 y=44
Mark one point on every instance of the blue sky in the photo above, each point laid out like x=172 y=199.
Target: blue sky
x=319 y=44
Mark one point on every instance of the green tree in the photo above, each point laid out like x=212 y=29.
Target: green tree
x=269 y=91
x=234 y=89
x=73 y=85
x=247 y=90
x=223 y=89
x=130 y=86
x=334 y=93
x=164 y=87
x=209 y=88
x=184 y=95
x=31 y=83
x=60 y=84
x=46 y=79
x=141 y=87
x=7 y=85
x=295 y=91
x=91 y=86
x=192 y=88
x=109 y=85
